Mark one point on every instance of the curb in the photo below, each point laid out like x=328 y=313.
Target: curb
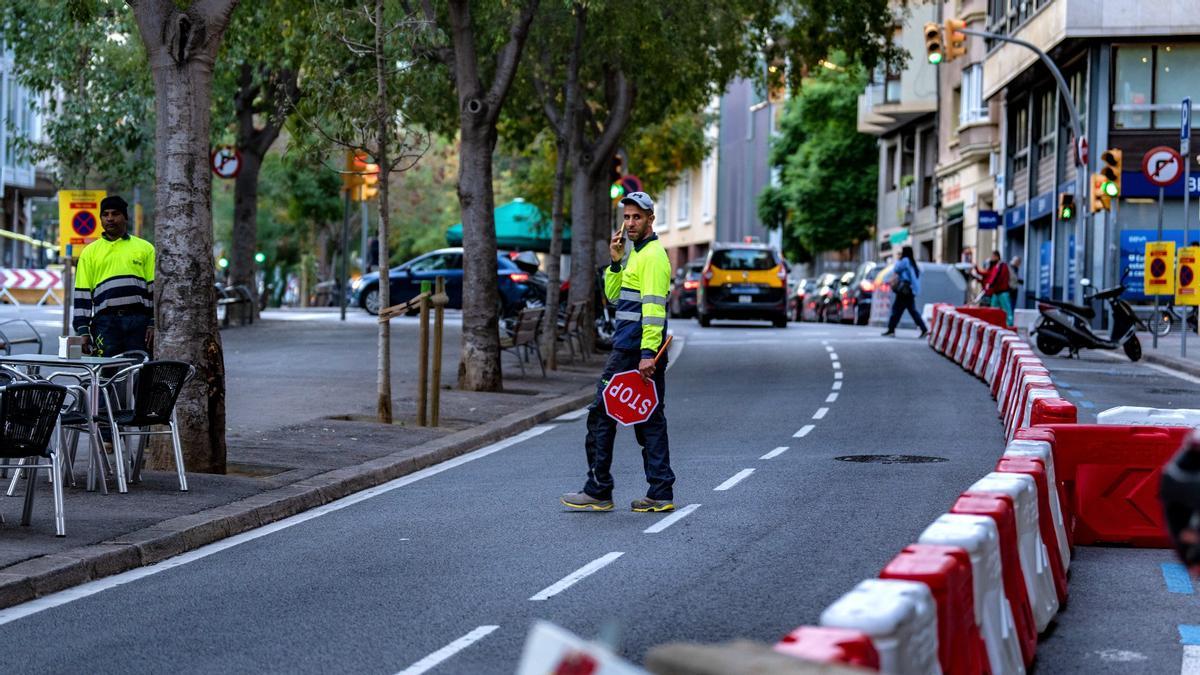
x=1172 y=362
x=48 y=574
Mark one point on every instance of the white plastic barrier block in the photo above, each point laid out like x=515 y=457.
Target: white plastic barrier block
x=965 y=338
x=1041 y=450
x=899 y=616
x=993 y=614
x=1017 y=360
x=995 y=368
x=991 y=337
x=1154 y=417
x=1016 y=400
x=1035 y=560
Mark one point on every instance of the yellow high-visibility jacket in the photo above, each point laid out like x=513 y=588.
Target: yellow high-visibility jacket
x=113 y=275
x=640 y=289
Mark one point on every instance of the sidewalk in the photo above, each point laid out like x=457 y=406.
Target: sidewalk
x=1167 y=353
x=300 y=411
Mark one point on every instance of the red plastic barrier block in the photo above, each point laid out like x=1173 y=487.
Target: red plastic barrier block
x=946 y=570
x=992 y=315
x=1037 y=470
x=1109 y=475
x=830 y=645
x=1053 y=411
x=1018 y=389
x=999 y=508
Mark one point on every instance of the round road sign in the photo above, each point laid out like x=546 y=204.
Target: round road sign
x=226 y=161
x=1162 y=166
x=84 y=223
x=1158 y=268
x=1186 y=276
x=629 y=399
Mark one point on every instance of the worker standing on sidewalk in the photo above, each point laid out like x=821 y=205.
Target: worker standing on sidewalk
x=639 y=285
x=996 y=285
x=114 y=287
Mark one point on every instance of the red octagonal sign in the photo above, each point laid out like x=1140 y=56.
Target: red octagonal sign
x=629 y=399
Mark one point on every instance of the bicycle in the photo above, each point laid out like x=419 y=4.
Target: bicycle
x=1163 y=321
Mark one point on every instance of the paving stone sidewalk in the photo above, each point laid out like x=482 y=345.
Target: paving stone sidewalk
x=301 y=400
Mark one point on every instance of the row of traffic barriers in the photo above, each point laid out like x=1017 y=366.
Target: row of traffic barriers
x=986 y=579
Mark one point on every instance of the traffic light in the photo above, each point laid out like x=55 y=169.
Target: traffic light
x=955 y=39
x=260 y=257
x=1111 y=170
x=1066 y=206
x=352 y=176
x=1100 y=200
x=361 y=177
x=933 y=43
x=370 y=183
x=618 y=169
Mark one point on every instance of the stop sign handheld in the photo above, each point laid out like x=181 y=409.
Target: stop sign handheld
x=630 y=399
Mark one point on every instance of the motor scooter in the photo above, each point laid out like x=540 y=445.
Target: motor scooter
x=1063 y=325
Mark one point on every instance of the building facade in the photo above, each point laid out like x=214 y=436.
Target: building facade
x=748 y=119
x=686 y=212
x=1127 y=66
x=20 y=181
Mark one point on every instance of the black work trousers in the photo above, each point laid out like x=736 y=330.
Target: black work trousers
x=651 y=434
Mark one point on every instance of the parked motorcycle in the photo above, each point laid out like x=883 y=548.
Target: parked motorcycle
x=1062 y=325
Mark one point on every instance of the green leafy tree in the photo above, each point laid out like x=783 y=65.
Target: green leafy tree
x=828 y=171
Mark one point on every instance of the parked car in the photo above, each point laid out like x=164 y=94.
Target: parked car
x=818 y=297
x=844 y=301
x=743 y=281
x=683 y=289
x=798 y=297
x=856 y=296
x=405 y=281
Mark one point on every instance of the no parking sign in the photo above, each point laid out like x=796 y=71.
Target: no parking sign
x=78 y=219
x=1187 y=289
x=1160 y=268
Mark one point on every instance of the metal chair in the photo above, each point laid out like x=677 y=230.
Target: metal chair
x=525 y=337
x=29 y=413
x=156 y=387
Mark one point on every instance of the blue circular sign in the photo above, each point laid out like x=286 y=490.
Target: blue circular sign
x=84 y=223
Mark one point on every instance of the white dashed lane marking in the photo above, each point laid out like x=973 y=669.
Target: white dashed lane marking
x=820 y=414
x=837 y=384
x=435 y=659
x=831 y=398
x=671 y=519
x=775 y=453
x=837 y=376
x=804 y=430
x=576 y=576
x=733 y=480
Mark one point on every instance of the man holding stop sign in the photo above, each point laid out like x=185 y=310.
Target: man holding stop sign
x=639 y=287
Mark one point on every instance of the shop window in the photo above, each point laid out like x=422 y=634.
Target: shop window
x=1176 y=75
x=1134 y=85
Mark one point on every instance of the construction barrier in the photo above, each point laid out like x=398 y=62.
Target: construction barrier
x=830 y=645
x=1054 y=541
x=979 y=537
x=900 y=618
x=1022 y=413
x=992 y=315
x=979 y=334
x=964 y=339
x=1156 y=417
x=31 y=286
x=1052 y=411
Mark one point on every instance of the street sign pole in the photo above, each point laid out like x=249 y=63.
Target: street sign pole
x=344 y=272
x=1154 y=333
x=1185 y=141
x=363 y=216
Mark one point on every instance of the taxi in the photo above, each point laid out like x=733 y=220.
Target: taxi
x=743 y=281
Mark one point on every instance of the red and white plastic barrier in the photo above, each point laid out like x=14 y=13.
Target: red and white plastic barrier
x=899 y=616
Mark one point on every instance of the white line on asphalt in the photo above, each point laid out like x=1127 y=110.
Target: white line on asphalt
x=734 y=480
x=837 y=384
x=825 y=342
x=433 y=660
x=574 y=577
x=837 y=366
x=1183 y=376
x=100 y=585
x=671 y=519
x=831 y=398
x=833 y=356
x=820 y=414
x=576 y=414
x=1191 y=660
x=827 y=347
x=837 y=376
x=775 y=453
x=804 y=431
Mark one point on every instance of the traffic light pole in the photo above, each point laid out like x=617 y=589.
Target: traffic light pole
x=1080 y=167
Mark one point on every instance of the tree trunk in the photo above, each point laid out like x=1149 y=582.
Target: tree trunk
x=479 y=365
x=181 y=46
x=554 y=261
x=584 y=263
x=242 y=268
x=384 y=119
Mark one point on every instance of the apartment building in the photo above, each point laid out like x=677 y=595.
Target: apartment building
x=1128 y=66
x=899 y=108
x=686 y=212
x=20 y=181
x=748 y=118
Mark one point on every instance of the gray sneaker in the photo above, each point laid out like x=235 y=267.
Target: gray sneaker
x=648 y=505
x=582 y=501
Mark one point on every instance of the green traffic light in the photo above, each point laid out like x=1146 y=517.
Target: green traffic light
x=260 y=257
x=222 y=263
x=1066 y=214
x=935 y=58
x=616 y=191
x=1110 y=188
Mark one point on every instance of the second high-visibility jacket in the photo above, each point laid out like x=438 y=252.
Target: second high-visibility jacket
x=640 y=289
x=112 y=276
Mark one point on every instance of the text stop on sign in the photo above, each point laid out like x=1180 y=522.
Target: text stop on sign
x=629 y=399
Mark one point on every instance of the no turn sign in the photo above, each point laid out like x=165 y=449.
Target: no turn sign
x=226 y=161
x=1162 y=166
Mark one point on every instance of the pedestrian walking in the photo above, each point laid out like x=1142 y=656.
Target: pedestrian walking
x=639 y=285
x=114 y=287
x=906 y=285
x=1015 y=282
x=996 y=285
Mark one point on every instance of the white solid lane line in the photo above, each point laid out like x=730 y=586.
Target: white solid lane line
x=831 y=398
x=574 y=577
x=775 y=453
x=837 y=376
x=576 y=414
x=734 y=480
x=804 y=431
x=837 y=384
x=671 y=519
x=435 y=659
x=93 y=587
x=820 y=414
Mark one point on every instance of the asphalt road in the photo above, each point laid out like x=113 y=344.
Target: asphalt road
x=471 y=552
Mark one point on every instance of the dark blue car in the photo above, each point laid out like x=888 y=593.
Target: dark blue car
x=447 y=262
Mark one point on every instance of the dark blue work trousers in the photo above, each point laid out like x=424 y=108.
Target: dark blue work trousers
x=114 y=334
x=651 y=434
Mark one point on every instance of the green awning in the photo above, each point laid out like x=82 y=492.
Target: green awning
x=899 y=237
x=520 y=226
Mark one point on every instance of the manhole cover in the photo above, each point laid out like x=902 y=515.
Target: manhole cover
x=891 y=459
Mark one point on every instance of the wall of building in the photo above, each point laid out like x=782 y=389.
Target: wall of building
x=747 y=120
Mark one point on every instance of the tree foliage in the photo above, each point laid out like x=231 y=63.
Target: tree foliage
x=828 y=171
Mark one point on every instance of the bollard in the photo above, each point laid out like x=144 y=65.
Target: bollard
x=423 y=366
x=439 y=301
